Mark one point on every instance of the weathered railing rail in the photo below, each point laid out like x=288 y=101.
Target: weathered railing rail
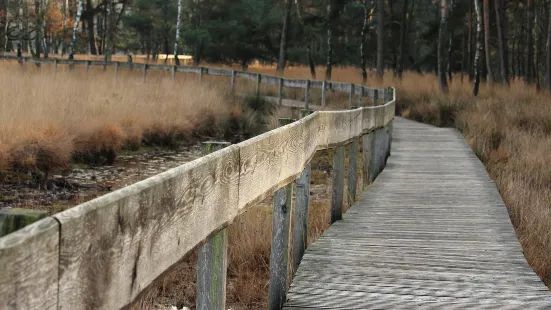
x=359 y=91
x=102 y=254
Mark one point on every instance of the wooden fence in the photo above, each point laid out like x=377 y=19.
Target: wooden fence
x=102 y=254
x=354 y=91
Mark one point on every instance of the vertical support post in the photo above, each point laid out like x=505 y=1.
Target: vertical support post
x=280 y=92
x=87 y=65
x=377 y=161
x=212 y=260
x=116 y=70
x=233 y=77
x=279 y=255
x=306 y=92
x=201 y=74
x=323 y=93
x=174 y=72
x=300 y=218
x=376 y=97
x=367 y=173
x=351 y=95
x=338 y=184
x=352 y=171
x=144 y=72
x=361 y=97
x=258 y=79
x=55 y=65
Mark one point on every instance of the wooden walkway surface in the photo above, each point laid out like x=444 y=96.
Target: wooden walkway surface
x=430 y=232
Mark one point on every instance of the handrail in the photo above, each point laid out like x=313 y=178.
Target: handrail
x=357 y=90
x=102 y=254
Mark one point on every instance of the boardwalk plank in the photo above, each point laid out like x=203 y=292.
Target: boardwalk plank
x=431 y=232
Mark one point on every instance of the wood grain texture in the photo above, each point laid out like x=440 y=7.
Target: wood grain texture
x=29 y=267
x=367 y=153
x=431 y=232
x=115 y=246
x=280 y=249
x=300 y=217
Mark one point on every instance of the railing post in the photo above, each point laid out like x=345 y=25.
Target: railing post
x=375 y=97
x=212 y=261
x=116 y=70
x=55 y=65
x=362 y=93
x=367 y=152
x=279 y=255
x=300 y=217
x=352 y=172
x=280 y=92
x=377 y=160
x=323 y=93
x=201 y=74
x=87 y=65
x=174 y=72
x=144 y=72
x=351 y=95
x=233 y=77
x=338 y=184
x=258 y=79
x=306 y=91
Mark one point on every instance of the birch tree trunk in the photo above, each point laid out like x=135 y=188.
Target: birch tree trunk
x=75 y=30
x=501 y=42
x=490 y=77
x=6 y=23
x=176 y=60
x=478 y=51
x=284 y=34
x=45 y=45
x=548 y=64
x=363 y=42
x=401 y=48
x=528 y=67
x=442 y=51
x=380 y=38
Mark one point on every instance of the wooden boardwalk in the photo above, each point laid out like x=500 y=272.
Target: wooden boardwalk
x=430 y=232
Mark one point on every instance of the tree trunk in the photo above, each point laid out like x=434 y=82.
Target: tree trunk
x=109 y=29
x=90 y=25
x=311 y=63
x=380 y=38
x=20 y=32
x=442 y=40
x=65 y=10
x=548 y=64
x=490 y=77
x=463 y=56
x=363 y=43
x=284 y=34
x=501 y=43
x=402 y=46
x=176 y=60
x=450 y=57
x=4 y=21
x=470 y=42
x=38 y=28
x=329 y=63
x=478 y=51
x=75 y=30
x=528 y=68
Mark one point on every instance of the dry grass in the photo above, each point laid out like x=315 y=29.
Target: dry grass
x=48 y=119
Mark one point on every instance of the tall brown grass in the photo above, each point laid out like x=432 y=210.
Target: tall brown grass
x=47 y=119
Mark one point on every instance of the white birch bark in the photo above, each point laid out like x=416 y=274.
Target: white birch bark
x=176 y=60
x=75 y=30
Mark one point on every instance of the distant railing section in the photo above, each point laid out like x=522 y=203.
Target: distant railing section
x=104 y=253
x=359 y=91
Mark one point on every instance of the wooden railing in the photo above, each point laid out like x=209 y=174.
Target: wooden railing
x=102 y=254
x=359 y=91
